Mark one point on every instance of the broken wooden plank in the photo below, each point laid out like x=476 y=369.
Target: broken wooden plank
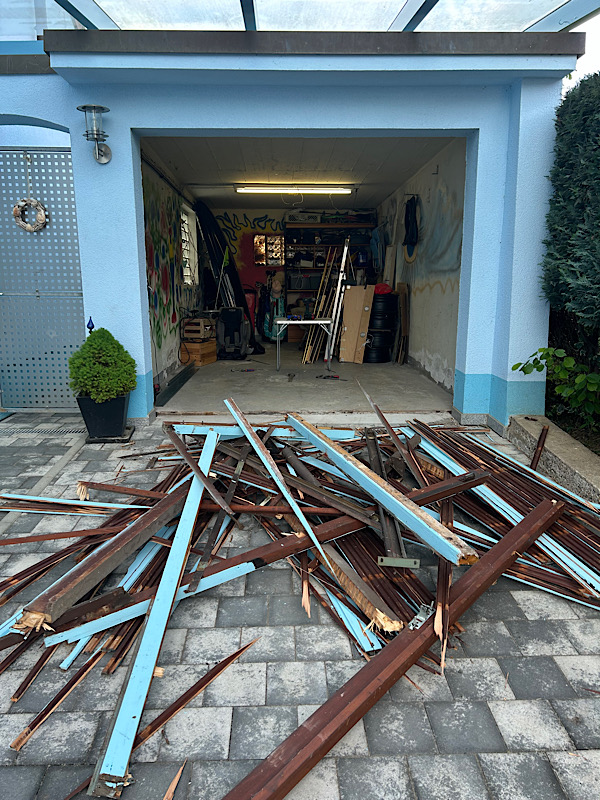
x=299 y=753
x=176 y=706
x=65 y=592
x=110 y=774
x=369 y=602
x=267 y=459
x=439 y=538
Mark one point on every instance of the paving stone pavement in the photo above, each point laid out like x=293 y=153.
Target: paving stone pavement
x=515 y=717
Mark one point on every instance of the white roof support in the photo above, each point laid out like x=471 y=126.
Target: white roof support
x=567 y=16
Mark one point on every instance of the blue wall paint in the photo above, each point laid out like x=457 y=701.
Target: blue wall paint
x=505 y=114
x=496 y=397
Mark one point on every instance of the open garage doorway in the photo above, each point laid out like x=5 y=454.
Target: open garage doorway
x=395 y=232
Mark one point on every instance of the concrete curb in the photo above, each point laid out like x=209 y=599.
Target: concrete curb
x=565 y=460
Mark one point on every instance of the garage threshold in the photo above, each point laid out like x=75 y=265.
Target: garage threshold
x=398 y=389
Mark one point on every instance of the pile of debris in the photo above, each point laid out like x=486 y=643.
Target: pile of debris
x=340 y=505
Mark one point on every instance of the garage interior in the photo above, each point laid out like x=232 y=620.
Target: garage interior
x=210 y=246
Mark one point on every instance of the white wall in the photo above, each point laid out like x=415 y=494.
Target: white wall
x=434 y=275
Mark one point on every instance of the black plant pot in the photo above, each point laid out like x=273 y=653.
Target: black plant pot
x=104 y=420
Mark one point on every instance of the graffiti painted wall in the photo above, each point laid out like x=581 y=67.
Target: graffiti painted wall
x=434 y=274
x=166 y=291
x=239 y=228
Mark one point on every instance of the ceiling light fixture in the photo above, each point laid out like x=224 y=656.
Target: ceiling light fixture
x=273 y=189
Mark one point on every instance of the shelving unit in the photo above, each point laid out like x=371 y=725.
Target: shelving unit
x=302 y=279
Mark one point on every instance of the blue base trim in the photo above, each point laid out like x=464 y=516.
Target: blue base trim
x=497 y=397
x=141 y=400
x=26 y=47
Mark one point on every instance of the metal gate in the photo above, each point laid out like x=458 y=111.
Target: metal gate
x=41 y=302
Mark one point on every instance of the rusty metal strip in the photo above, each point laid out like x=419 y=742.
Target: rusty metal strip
x=539 y=447
x=162 y=719
x=118 y=489
x=299 y=753
x=206 y=482
x=33 y=673
x=66 y=690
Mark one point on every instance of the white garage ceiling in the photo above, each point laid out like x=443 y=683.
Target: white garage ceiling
x=210 y=167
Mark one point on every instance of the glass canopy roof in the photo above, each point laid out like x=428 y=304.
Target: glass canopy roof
x=295 y=15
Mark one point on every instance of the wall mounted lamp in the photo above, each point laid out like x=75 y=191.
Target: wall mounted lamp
x=94 y=132
x=272 y=189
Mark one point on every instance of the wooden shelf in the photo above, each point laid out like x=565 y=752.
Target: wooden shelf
x=330 y=225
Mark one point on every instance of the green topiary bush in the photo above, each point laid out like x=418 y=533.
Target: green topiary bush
x=102 y=369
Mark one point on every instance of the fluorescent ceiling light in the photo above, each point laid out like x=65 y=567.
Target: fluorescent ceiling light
x=268 y=189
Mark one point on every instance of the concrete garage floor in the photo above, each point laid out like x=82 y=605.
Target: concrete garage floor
x=395 y=387
x=515 y=717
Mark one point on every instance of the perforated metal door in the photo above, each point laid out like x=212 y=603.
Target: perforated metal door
x=41 y=304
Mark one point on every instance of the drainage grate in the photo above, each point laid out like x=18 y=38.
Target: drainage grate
x=41 y=431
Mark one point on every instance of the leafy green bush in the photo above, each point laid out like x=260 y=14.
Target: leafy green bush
x=577 y=387
x=102 y=369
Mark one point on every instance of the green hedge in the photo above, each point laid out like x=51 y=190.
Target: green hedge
x=571 y=266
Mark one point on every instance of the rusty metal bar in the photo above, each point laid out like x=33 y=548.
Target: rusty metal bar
x=539 y=447
x=296 y=756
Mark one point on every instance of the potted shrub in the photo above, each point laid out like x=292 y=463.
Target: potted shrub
x=102 y=374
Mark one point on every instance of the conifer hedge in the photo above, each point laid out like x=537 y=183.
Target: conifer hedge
x=571 y=266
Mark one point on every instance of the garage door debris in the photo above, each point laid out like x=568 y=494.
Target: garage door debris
x=341 y=506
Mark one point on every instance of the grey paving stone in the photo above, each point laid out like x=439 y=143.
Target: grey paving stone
x=177 y=679
x=65 y=738
x=239 y=685
x=581 y=718
x=197 y=733
x=321 y=782
x=269 y=581
x=20 y=783
x=585 y=612
x=520 y=776
x=313 y=644
x=234 y=588
x=294 y=682
x=447 y=777
x=477 y=679
x=195 y=612
x=540 y=638
x=530 y=725
x=542 y=605
x=536 y=676
x=148 y=752
x=354 y=743
x=493 y=606
x=152 y=780
x=339 y=672
x=488 y=639
x=96 y=692
x=374 y=778
x=274 y=644
x=423 y=685
x=256 y=732
x=242 y=611
x=207 y=645
x=464 y=727
x=213 y=779
x=585 y=635
x=396 y=729
x=59 y=781
x=172 y=646
x=579 y=773
x=287 y=610
x=11 y=726
x=582 y=672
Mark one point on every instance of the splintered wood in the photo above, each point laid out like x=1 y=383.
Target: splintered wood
x=343 y=507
